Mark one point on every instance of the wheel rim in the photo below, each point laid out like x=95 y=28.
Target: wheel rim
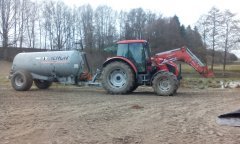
x=19 y=81
x=164 y=84
x=117 y=78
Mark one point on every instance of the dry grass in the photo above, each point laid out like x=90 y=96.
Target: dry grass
x=4 y=72
x=201 y=83
x=5 y=67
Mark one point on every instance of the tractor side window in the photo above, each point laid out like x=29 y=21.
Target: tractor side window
x=136 y=54
x=122 y=50
x=147 y=50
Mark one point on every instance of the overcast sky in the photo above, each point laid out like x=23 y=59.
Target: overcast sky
x=188 y=11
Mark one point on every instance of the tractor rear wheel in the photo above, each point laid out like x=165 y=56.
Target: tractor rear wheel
x=165 y=84
x=118 y=78
x=21 y=80
x=134 y=88
x=42 y=84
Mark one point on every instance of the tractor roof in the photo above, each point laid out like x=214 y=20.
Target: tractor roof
x=131 y=41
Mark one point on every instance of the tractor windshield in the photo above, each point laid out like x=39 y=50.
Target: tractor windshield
x=122 y=50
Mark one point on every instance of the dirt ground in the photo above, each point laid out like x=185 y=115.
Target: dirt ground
x=83 y=115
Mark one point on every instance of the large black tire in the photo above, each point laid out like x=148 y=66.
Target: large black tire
x=178 y=85
x=165 y=84
x=134 y=88
x=21 y=80
x=42 y=84
x=118 y=78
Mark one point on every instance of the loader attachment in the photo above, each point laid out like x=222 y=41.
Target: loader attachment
x=185 y=55
x=207 y=73
x=230 y=119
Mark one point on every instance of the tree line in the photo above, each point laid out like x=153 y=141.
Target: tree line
x=220 y=30
x=57 y=26
x=54 y=25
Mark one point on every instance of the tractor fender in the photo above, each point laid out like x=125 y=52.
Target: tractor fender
x=122 y=59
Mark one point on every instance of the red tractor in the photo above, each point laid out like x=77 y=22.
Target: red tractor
x=133 y=66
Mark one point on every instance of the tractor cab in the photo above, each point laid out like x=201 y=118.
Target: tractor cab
x=136 y=51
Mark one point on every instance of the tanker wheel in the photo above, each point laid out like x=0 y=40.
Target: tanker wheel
x=21 y=80
x=165 y=84
x=118 y=78
x=42 y=84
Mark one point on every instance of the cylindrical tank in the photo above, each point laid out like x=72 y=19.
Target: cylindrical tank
x=58 y=63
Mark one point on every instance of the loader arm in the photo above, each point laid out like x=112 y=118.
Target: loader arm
x=185 y=55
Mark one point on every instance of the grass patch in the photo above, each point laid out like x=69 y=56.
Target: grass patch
x=199 y=83
x=203 y=83
x=4 y=80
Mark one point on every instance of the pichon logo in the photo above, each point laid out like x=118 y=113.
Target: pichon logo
x=55 y=59
x=60 y=58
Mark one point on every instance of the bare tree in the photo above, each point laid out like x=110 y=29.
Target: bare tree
x=60 y=28
x=122 y=17
x=136 y=20
x=86 y=19
x=78 y=28
x=7 y=16
x=40 y=24
x=48 y=23
x=22 y=15
x=229 y=34
x=70 y=30
x=105 y=30
x=16 y=11
x=202 y=26
x=31 y=23
x=213 y=21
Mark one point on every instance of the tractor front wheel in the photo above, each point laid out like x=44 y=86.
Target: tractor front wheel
x=164 y=84
x=118 y=78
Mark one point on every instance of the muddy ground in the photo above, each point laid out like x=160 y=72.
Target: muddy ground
x=83 y=115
